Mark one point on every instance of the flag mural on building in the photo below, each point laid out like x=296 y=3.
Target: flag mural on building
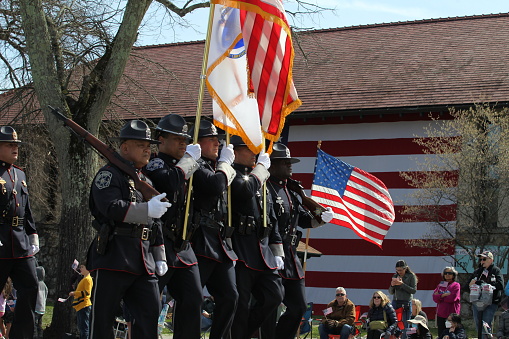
x=383 y=148
x=360 y=201
x=249 y=71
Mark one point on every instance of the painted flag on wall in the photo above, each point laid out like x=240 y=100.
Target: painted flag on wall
x=249 y=71
x=360 y=201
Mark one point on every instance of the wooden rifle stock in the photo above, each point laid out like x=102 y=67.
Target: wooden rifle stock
x=315 y=208
x=109 y=153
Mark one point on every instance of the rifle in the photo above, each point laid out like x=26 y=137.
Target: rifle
x=109 y=153
x=315 y=208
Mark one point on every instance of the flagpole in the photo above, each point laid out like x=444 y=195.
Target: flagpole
x=229 y=190
x=318 y=146
x=198 y=111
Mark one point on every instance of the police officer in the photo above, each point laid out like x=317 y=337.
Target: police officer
x=211 y=241
x=174 y=164
x=19 y=241
x=290 y=213
x=258 y=246
x=125 y=268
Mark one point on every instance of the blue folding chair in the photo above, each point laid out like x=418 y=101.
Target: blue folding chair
x=305 y=323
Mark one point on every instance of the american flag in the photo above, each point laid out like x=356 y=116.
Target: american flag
x=382 y=146
x=249 y=71
x=359 y=200
x=75 y=265
x=327 y=311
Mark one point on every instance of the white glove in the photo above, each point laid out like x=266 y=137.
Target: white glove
x=33 y=250
x=161 y=268
x=280 y=263
x=264 y=159
x=194 y=151
x=156 y=207
x=227 y=155
x=327 y=215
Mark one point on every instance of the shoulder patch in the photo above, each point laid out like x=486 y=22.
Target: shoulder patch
x=103 y=179
x=154 y=164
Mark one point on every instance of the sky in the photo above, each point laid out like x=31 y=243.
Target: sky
x=346 y=13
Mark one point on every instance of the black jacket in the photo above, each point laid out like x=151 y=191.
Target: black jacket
x=289 y=213
x=111 y=195
x=459 y=333
x=14 y=236
x=494 y=278
x=170 y=179
x=377 y=313
x=250 y=247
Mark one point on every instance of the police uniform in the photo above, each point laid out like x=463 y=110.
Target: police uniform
x=290 y=213
x=256 y=247
x=182 y=280
x=211 y=241
x=17 y=235
x=125 y=269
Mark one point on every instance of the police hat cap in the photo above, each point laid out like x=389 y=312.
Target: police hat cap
x=8 y=134
x=207 y=129
x=136 y=130
x=235 y=140
x=280 y=151
x=174 y=124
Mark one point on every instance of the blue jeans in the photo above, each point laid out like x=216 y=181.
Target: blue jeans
x=487 y=315
x=83 y=318
x=344 y=331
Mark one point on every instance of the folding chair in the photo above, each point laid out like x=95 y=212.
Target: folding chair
x=306 y=327
x=401 y=325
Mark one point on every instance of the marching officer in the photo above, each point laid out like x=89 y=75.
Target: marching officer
x=129 y=247
x=211 y=241
x=258 y=246
x=19 y=241
x=290 y=213
x=174 y=164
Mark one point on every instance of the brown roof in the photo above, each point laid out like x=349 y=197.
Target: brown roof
x=436 y=62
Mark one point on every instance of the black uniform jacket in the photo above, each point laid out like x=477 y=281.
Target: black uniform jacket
x=14 y=203
x=111 y=195
x=170 y=179
x=209 y=192
x=246 y=202
x=289 y=213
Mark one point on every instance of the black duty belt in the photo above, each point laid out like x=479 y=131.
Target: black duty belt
x=12 y=221
x=134 y=232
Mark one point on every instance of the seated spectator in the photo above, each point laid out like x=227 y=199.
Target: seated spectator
x=417 y=309
x=503 y=325
x=419 y=329
x=339 y=318
x=454 y=328
x=207 y=313
x=381 y=316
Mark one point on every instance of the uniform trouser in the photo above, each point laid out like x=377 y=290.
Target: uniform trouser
x=221 y=283
x=184 y=286
x=141 y=296
x=288 y=324
x=24 y=280
x=266 y=288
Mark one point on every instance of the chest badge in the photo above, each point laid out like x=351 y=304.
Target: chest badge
x=2 y=183
x=280 y=201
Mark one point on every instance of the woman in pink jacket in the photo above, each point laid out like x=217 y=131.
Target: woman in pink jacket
x=447 y=297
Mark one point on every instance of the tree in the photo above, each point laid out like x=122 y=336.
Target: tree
x=72 y=54
x=464 y=183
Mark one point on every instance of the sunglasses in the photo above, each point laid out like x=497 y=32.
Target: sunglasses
x=377 y=297
x=483 y=259
x=448 y=273
x=340 y=294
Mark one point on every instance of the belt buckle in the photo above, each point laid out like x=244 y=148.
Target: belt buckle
x=294 y=239
x=145 y=233
x=15 y=221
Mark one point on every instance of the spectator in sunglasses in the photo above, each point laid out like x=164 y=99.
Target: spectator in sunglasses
x=382 y=318
x=447 y=296
x=490 y=274
x=339 y=316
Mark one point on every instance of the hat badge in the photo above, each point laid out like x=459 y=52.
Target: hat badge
x=184 y=129
x=213 y=129
x=14 y=135
x=288 y=153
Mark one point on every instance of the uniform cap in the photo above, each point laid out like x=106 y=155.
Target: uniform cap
x=235 y=140
x=174 y=124
x=207 y=129
x=8 y=134
x=136 y=130
x=280 y=151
